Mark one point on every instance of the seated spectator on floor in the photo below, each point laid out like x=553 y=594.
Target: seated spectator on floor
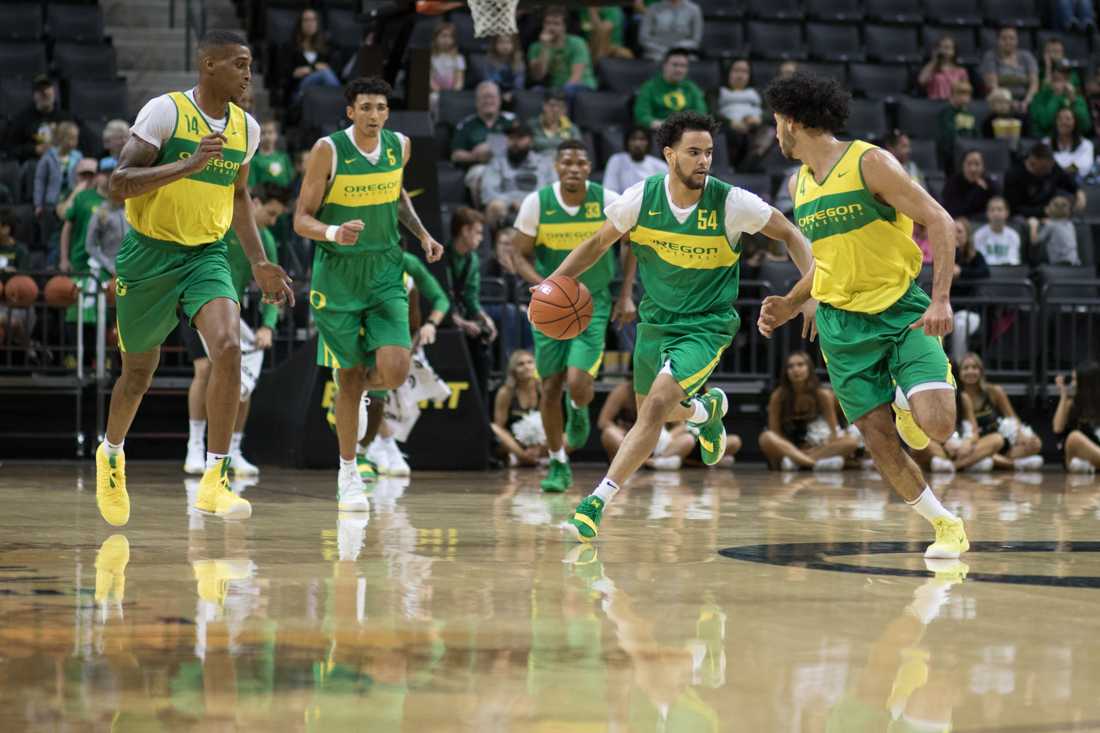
x=742 y=108
x=509 y=178
x=970 y=265
x=309 y=58
x=1072 y=151
x=966 y=449
x=1031 y=184
x=115 y=135
x=553 y=126
x=1056 y=233
x=560 y=60
x=517 y=423
x=670 y=24
x=29 y=132
x=1056 y=95
x=604 y=28
x=998 y=242
x=106 y=228
x=635 y=163
x=270 y=163
x=470 y=146
x=448 y=64
x=803 y=431
x=968 y=191
x=1072 y=15
x=668 y=92
x=1003 y=122
x=994 y=414
x=620 y=412
x=1077 y=418
x=1054 y=55
x=956 y=122
x=942 y=72
x=1012 y=68
x=504 y=65
x=897 y=142
x=463 y=267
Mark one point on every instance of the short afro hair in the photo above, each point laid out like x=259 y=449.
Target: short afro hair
x=215 y=39
x=366 y=85
x=816 y=102
x=565 y=145
x=672 y=129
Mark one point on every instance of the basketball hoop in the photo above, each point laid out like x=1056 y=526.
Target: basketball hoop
x=494 y=17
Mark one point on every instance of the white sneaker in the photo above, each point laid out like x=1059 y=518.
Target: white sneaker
x=351 y=491
x=1029 y=463
x=833 y=463
x=242 y=466
x=787 y=464
x=350 y=532
x=942 y=465
x=983 y=466
x=665 y=463
x=398 y=466
x=1080 y=465
x=195 y=462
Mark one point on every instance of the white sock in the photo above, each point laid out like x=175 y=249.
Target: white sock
x=900 y=399
x=346 y=463
x=213 y=458
x=606 y=490
x=699 y=412
x=929 y=507
x=360 y=449
x=559 y=455
x=574 y=405
x=927 y=602
x=111 y=449
x=235 y=443
x=390 y=441
x=198 y=431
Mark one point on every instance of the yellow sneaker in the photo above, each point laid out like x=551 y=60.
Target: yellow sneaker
x=908 y=429
x=110 y=487
x=110 y=569
x=950 y=541
x=216 y=498
x=213 y=577
x=911 y=676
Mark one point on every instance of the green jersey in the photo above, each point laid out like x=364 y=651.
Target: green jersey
x=241 y=271
x=426 y=283
x=273 y=167
x=367 y=191
x=560 y=232
x=80 y=213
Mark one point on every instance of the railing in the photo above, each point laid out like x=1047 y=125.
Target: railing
x=194 y=23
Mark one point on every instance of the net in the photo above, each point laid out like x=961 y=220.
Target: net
x=494 y=17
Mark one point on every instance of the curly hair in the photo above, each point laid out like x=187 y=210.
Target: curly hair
x=816 y=102
x=675 y=126
x=366 y=85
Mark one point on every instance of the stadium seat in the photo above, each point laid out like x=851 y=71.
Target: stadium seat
x=996 y=154
x=922 y=151
x=878 y=81
x=835 y=10
x=10 y=178
x=527 y=103
x=98 y=99
x=344 y=30
x=1076 y=45
x=1020 y=13
x=1062 y=277
x=25 y=230
x=776 y=40
x=464 y=29
x=966 y=42
x=455 y=105
x=421 y=36
x=15 y=95
x=954 y=12
x=919 y=117
x=758 y=183
x=22 y=59
x=1092 y=203
x=867 y=119
x=84 y=60
x=997 y=287
x=593 y=110
x=833 y=70
x=893 y=11
x=775 y=9
x=20 y=21
x=1085 y=247
x=893 y=44
x=834 y=42
x=476 y=69
x=723 y=39
x=279 y=25
x=780 y=275
x=324 y=107
x=74 y=22
x=608 y=141
x=707 y=74
x=624 y=75
x=720 y=9
x=452 y=186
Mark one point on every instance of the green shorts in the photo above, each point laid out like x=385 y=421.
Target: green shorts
x=155 y=277
x=359 y=304
x=584 y=352
x=852 y=715
x=868 y=354
x=690 y=346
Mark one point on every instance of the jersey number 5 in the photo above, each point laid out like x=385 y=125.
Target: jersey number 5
x=707 y=219
x=390 y=157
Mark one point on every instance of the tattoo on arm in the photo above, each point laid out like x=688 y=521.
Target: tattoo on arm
x=136 y=173
x=406 y=214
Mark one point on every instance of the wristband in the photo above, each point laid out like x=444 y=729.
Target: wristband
x=330 y=233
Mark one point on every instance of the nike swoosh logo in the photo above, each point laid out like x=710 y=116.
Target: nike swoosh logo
x=841 y=175
x=654 y=213
x=415 y=192
x=349 y=161
x=550 y=212
x=707 y=445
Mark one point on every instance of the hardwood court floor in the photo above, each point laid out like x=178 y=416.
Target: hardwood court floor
x=459 y=607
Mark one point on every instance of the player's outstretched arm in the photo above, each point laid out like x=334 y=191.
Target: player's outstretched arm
x=780 y=228
x=778 y=309
x=136 y=174
x=306 y=223
x=272 y=279
x=587 y=254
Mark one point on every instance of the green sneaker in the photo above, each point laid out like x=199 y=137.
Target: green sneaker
x=367 y=470
x=712 y=433
x=585 y=523
x=584 y=564
x=559 y=479
x=577 y=425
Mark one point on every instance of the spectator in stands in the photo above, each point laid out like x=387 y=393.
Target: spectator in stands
x=1031 y=184
x=1078 y=418
x=942 y=72
x=54 y=178
x=603 y=27
x=115 y=135
x=448 y=63
x=29 y=132
x=1009 y=67
x=1072 y=15
x=741 y=107
x=968 y=191
x=670 y=24
x=509 y=178
x=309 y=58
x=1058 y=94
x=1056 y=233
x=787 y=69
x=270 y=163
x=897 y=142
x=464 y=280
x=504 y=65
x=635 y=163
x=970 y=265
x=803 y=431
x=620 y=412
x=1003 y=122
x=106 y=229
x=558 y=59
x=1092 y=101
x=553 y=126
x=14 y=255
x=998 y=242
x=668 y=92
x=1072 y=151
x=470 y=145
x=956 y=121
x=90 y=191
x=516 y=419
x=1054 y=56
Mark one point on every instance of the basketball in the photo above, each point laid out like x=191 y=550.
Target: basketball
x=61 y=291
x=21 y=291
x=560 y=308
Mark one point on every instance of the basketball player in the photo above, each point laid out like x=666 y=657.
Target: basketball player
x=183 y=175
x=551 y=223
x=880 y=333
x=350 y=204
x=685 y=230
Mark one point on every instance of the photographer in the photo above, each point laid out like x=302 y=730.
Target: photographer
x=464 y=278
x=943 y=71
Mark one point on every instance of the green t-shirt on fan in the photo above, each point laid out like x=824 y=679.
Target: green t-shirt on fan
x=575 y=51
x=274 y=167
x=80 y=213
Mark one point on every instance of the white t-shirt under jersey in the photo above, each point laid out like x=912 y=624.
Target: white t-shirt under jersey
x=527 y=221
x=372 y=157
x=157 y=121
x=745 y=211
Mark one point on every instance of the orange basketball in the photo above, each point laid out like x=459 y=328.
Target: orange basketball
x=560 y=308
x=21 y=291
x=61 y=291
